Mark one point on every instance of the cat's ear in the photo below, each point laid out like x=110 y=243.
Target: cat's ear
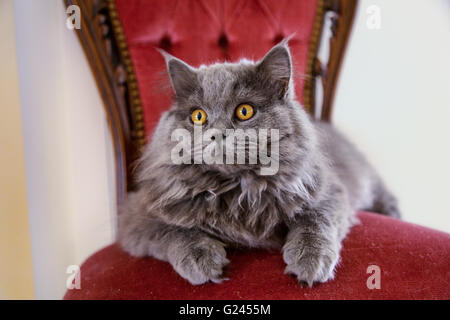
x=277 y=66
x=182 y=76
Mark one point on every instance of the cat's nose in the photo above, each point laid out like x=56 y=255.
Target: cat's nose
x=224 y=135
x=216 y=133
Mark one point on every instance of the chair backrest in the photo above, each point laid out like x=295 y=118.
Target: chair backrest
x=120 y=36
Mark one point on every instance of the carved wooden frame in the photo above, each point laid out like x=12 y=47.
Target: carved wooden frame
x=104 y=44
x=343 y=12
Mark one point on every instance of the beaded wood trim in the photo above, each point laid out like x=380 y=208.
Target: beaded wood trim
x=341 y=20
x=136 y=111
x=310 y=81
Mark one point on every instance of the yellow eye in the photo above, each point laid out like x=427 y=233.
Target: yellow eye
x=198 y=116
x=244 y=112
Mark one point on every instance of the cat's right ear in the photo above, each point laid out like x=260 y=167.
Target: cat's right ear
x=277 y=66
x=182 y=76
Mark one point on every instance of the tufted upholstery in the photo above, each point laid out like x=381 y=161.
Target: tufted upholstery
x=206 y=31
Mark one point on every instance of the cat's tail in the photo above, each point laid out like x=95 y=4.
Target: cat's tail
x=385 y=202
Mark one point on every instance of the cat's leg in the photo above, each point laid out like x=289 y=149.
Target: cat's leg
x=313 y=243
x=384 y=202
x=193 y=254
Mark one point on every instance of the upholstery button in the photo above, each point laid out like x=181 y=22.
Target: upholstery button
x=165 y=43
x=278 y=38
x=223 y=41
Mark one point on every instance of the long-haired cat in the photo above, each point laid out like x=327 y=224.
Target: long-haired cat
x=187 y=214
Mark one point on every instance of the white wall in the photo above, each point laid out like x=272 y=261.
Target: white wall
x=393 y=100
x=70 y=178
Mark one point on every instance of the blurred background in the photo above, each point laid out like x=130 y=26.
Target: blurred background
x=57 y=192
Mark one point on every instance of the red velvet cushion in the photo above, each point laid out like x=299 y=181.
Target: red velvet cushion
x=414 y=262
x=206 y=31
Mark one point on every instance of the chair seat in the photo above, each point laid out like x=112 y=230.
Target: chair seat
x=414 y=263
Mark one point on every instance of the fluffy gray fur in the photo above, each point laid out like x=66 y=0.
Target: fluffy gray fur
x=188 y=214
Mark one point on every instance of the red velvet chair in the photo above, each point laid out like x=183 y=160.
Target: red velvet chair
x=119 y=38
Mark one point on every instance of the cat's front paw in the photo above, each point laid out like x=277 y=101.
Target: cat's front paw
x=310 y=263
x=202 y=261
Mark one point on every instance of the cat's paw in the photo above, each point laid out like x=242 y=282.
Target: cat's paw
x=310 y=264
x=202 y=262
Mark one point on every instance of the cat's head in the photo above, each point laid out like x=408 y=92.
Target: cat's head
x=247 y=95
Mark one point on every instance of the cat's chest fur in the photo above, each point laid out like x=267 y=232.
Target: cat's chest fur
x=245 y=211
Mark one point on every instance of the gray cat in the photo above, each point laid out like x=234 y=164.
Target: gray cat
x=187 y=214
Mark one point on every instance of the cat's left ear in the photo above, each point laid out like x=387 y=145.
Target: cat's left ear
x=182 y=76
x=277 y=66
